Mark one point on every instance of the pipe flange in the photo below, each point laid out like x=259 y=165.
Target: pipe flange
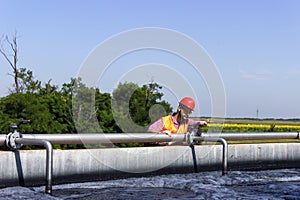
x=10 y=140
x=189 y=138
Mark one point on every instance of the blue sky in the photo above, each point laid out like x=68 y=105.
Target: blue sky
x=254 y=44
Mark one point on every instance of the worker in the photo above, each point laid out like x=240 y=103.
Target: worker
x=177 y=122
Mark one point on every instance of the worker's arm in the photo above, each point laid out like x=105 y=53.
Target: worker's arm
x=201 y=123
x=157 y=127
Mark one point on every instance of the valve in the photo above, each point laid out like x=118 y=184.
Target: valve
x=194 y=130
x=15 y=126
x=11 y=137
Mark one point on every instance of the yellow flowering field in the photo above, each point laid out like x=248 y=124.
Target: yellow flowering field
x=228 y=127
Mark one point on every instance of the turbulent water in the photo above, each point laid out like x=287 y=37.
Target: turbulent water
x=270 y=184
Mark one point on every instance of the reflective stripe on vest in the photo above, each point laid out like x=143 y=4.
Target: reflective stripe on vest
x=169 y=125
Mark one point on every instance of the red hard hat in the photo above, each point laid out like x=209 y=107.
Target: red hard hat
x=188 y=102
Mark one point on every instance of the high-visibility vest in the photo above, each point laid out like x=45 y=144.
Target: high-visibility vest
x=169 y=125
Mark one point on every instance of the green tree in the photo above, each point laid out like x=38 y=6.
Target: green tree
x=19 y=106
x=27 y=82
x=104 y=113
x=131 y=106
x=78 y=108
x=83 y=107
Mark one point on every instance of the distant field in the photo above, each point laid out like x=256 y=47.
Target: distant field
x=252 y=121
x=251 y=125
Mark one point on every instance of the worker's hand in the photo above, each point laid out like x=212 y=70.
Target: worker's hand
x=167 y=132
x=202 y=123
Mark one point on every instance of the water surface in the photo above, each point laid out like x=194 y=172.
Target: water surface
x=270 y=184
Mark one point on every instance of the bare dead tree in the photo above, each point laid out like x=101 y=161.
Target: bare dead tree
x=12 y=57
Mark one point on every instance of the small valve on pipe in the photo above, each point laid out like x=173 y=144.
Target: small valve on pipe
x=194 y=130
x=10 y=138
x=15 y=126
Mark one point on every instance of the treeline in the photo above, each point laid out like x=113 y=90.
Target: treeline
x=77 y=108
x=74 y=107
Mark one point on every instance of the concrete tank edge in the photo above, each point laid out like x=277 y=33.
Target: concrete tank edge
x=27 y=167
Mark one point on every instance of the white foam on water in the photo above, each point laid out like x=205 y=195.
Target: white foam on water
x=270 y=184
